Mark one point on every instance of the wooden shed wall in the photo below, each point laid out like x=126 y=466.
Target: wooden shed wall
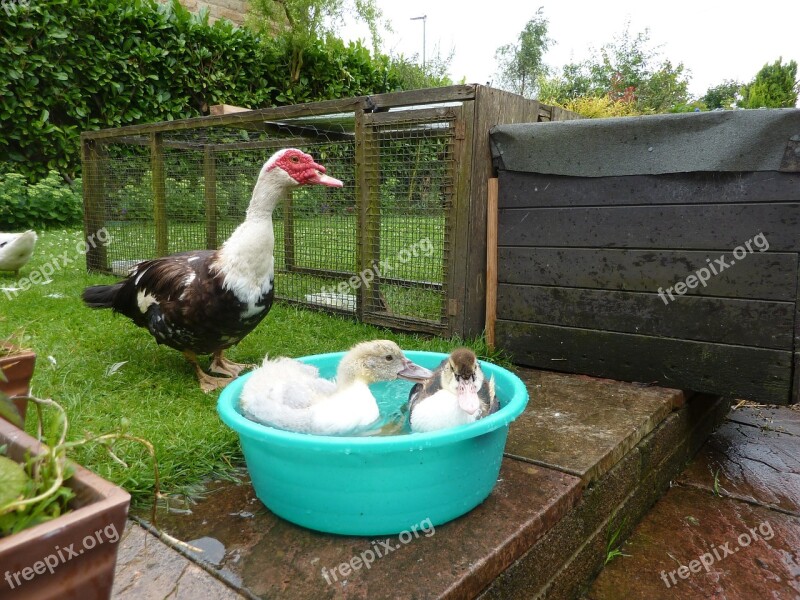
x=581 y=260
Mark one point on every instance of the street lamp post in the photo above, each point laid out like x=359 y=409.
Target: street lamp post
x=424 y=19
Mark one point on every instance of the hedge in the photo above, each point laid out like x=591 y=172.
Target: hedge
x=74 y=65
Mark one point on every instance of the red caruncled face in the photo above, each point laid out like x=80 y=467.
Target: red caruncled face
x=302 y=168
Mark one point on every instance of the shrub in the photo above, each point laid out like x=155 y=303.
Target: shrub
x=48 y=203
x=599 y=107
x=75 y=65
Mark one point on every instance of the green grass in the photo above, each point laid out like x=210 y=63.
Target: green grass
x=154 y=395
x=325 y=242
x=613 y=546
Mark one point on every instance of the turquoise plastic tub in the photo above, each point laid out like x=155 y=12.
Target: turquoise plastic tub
x=376 y=485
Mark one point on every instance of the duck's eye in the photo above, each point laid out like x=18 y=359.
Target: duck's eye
x=389 y=357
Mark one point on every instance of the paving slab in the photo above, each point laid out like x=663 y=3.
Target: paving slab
x=148 y=568
x=694 y=545
x=272 y=558
x=749 y=463
x=563 y=563
x=775 y=418
x=584 y=425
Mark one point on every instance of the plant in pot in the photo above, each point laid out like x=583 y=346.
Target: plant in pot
x=59 y=522
x=16 y=369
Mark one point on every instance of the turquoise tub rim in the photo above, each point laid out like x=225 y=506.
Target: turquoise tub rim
x=229 y=397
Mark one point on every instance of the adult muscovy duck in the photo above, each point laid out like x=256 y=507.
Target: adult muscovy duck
x=204 y=301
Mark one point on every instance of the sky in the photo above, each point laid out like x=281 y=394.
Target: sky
x=714 y=40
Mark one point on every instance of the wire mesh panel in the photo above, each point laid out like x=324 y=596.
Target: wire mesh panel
x=376 y=248
x=407 y=200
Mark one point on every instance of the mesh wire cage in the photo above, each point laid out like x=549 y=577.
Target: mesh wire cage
x=402 y=244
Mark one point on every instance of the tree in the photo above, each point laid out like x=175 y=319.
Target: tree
x=303 y=23
x=722 y=95
x=520 y=65
x=409 y=75
x=775 y=86
x=628 y=70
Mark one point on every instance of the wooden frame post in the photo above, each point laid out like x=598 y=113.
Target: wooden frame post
x=93 y=195
x=491 y=261
x=210 y=187
x=159 y=194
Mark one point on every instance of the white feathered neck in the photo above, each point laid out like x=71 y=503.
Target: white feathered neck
x=247 y=257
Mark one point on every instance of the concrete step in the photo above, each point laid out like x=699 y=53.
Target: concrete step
x=731 y=526
x=586 y=455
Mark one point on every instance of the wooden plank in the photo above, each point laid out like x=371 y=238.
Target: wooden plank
x=420 y=117
x=492 y=107
x=742 y=372
x=362 y=196
x=210 y=193
x=491 y=262
x=523 y=190
x=226 y=109
x=159 y=194
x=94 y=159
x=720 y=320
x=762 y=276
x=711 y=226
x=342 y=275
x=457 y=236
x=453 y=93
x=371 y=233
x=236 y=119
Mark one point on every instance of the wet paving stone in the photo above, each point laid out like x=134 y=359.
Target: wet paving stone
x=775 y=418
x=750 y=463
x=147 y=568
x=268 y=557
x=694 y=545
x=584 y=425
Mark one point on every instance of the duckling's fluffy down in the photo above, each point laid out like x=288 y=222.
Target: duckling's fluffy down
x=290 y=385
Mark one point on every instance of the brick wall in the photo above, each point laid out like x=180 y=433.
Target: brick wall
x=233 y=10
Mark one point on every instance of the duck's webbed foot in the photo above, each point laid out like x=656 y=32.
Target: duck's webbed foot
x=208 y=383
x=223 y=366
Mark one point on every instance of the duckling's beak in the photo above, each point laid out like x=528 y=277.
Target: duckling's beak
x=468 y=397
x=413 y=372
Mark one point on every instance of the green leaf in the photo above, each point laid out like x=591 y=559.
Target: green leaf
x=8 y=410
x=13 y=481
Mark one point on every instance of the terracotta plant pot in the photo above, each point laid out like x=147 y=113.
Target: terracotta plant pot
x=72 y=556
x=18 y=370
